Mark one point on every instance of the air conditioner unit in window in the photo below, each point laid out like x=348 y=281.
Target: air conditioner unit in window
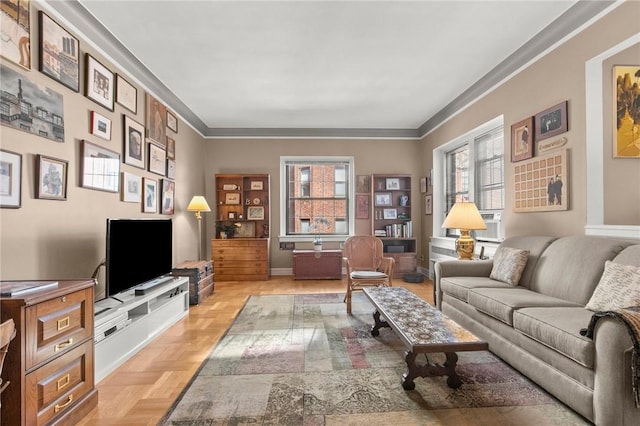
x=495 y=229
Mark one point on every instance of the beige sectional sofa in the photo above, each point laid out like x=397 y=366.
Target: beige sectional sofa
x=535 y=326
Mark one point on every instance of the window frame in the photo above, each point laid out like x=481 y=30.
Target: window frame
x=439 y=171
x=285 y=161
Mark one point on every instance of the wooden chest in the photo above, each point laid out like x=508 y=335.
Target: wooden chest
x=50 y=363
x=317 y=265
x=241 y=259
x=200 y=273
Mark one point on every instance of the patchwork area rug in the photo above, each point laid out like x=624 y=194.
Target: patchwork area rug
x=301 y=360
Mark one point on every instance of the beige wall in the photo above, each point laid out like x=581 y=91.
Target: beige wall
x=263 y=156
x=46 y=239
x=65 y=239
x=556 y=77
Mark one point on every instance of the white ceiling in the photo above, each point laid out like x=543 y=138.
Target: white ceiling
x=240 y=65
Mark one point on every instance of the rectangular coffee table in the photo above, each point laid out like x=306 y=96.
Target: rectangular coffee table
x=423 y=329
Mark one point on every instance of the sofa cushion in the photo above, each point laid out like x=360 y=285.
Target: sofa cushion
x=508 y=264
x=619 y=287
x=571 y=267
x=501 y=302
x=458 y=287
x=559 y=329
x=629 y=256
x=536 y=246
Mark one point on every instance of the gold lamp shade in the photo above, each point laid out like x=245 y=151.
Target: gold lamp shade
x=464 y=215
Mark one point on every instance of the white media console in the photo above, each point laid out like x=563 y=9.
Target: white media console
x=122 y=329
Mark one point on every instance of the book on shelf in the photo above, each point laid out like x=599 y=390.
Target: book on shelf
x=18 y=288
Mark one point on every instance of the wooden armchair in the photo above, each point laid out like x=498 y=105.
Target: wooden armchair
x=366 y=265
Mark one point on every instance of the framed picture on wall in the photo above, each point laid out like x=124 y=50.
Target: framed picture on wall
x=18 y=24
x=51 y=178
x=626 y=103
x=362 y=206
x=428 y=204
x=522 y=140
x=157 y=160
x=156 y=120
x=363 y=184
x=59 y=53
x=126 y=94
x=255 y=213
x=552 y=121
x=541 y=184
x=10 y=179
x=172 y=122
x=168 y=190
x=150 y=196
x=131 y=188
x=133 y=142
x=99 y=86
x=99 y=168
x=100 y=126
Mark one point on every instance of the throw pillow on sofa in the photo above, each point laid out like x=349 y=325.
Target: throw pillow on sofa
x=619 y=287
x=508 y=264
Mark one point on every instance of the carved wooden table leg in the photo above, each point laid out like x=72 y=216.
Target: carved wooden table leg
x=378 y=324
x=430 y=370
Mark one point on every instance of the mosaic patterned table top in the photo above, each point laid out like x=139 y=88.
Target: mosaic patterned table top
x=421 y=326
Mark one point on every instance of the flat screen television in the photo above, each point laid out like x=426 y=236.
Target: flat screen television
x=138 y=250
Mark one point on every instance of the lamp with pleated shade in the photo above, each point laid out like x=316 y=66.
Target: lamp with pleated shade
x=464 y=215
x=199 y=204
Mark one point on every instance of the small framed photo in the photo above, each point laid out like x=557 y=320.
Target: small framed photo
x=150 y=196
x=99 y=168
x=171 y=169
x=10 y=179
x=256 y=185
x=389 y=214
x=131 y=188
x=550 y=122
x=59 y=53
x=133 y=142
x=168 y=191
x=246 y=230
x=255 y=213
x=100 y=126
x=171 y=148
x=232 y=198
x=99 y=83
x=157 y=160
x=51 y=178
x=126 y=94
x=522 y=140
x=363 y=184
x=172 y=121
x=392 y=183
x=428 y=204
x=383 y=199
x=423 y=184
x=231 y=215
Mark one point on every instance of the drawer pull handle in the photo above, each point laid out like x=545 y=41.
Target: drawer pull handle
x=59 y=407
x=63 y=323
x=63 y=345
x=63 y=381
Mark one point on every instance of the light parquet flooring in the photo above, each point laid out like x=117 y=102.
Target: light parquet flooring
x=142 y=390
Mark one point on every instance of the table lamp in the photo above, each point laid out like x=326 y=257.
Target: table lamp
x=464 y=215
x=199 y=204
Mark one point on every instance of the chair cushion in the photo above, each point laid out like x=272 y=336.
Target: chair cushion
x=363 y=275
x=508 y=264
x=559 y=329
x=619 y=287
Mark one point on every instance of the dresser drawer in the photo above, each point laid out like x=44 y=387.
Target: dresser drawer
x=56 y=325
x=58 y=386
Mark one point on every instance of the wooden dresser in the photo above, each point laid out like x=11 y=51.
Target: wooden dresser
x=50 y=363
x=240 y=259
x=317 y=264
x=200 y=273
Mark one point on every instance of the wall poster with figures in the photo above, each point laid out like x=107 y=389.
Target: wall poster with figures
x=541 y=184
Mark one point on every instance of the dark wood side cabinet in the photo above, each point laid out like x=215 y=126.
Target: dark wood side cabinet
x=50 y=363
x=200 y=273
x=317 y=264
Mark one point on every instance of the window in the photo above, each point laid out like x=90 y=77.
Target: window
x=317 y=196
x=470 y=167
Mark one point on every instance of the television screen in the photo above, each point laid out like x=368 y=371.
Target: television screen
x=138 y=250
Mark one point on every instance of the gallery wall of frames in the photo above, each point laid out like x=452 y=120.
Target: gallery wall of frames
x=137 y=160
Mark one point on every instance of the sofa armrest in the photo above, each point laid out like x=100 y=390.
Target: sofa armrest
x=612 y=395
x=458 y=268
